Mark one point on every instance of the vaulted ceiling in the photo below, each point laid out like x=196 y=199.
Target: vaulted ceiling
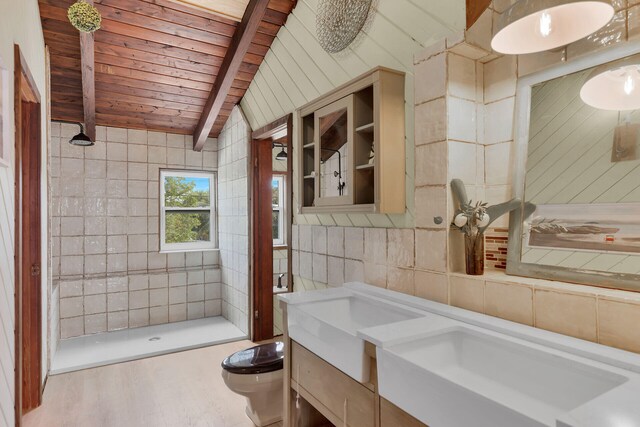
x=155 y=62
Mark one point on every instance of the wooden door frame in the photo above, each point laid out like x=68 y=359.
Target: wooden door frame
x=262 y=296
x=28 y=254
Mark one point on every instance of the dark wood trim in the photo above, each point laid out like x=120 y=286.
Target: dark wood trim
x=28 y=287
x=18 y=226
x=27 y=84
x=87 y=61
x=475 y=8
x=268 y=131
x=262 y=236
x=31 y=256
x=290 y=156
x=238 y=48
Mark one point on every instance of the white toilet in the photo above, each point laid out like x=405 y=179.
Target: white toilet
x=256 y=373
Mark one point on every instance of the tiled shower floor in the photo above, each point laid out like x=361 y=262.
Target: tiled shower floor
x=129 y=344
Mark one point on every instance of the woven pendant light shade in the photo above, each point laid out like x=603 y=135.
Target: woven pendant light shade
x=339 y=21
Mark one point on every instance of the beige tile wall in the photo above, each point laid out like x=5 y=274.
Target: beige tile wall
x=464 y=115
x=105 y=245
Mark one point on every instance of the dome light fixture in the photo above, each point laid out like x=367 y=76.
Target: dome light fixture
x=614 y=86
x=531 y=26
x=81 y=139
x=282 y=155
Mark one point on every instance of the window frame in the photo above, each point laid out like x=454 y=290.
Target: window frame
x=213 y=212
x=280 y=207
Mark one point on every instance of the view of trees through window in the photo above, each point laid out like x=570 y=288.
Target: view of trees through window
x=275 y=201
x=187 y=203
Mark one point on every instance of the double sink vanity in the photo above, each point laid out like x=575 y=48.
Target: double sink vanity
x=365 y=356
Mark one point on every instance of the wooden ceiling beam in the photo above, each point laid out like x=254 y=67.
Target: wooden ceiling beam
x=238 y=48
x=87 y=62
x=475 y=8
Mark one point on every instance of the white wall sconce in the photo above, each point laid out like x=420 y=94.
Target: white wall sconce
x=614 y=87
x=531 y=26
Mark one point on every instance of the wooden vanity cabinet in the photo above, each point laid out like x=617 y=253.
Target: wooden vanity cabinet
x=392 y=416
x=328 y=396
x=333 y=393
x=361 y=126
x=317 y=394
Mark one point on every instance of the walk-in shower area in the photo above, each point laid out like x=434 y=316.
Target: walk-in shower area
x=139 y=266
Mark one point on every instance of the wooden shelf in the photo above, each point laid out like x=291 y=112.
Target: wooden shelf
x=366 y=128
x=365 y=167
x=375 y=123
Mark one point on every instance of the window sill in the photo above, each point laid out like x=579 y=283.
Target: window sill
x=179 y=251
x=279 y=247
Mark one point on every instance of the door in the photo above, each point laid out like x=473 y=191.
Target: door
x=262 y=240
x=262 y=222
x=27 y=244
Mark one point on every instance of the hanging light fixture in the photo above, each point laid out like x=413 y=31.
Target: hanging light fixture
x=614 y=86
x=81 y=139
x=338 y=22
x=282 y=155
x=537 y=25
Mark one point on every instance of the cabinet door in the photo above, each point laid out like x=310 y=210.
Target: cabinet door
x=333 y=393
x=334 y=153
x=392 y=416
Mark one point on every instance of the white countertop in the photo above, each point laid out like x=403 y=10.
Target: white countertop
x=619 y=407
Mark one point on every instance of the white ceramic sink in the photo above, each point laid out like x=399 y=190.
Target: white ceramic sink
x=327 y=324
x=467 y=376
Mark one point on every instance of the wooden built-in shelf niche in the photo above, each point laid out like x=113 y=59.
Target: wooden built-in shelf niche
x=364 y=120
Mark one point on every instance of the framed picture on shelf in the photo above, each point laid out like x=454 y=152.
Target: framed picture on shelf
x=5 y=124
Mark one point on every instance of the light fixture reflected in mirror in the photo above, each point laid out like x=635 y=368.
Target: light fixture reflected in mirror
x=81 y=139
x=614 y=87
x=282 y=155
x=537 y=25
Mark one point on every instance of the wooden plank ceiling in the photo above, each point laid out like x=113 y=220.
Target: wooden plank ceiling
x=232 y=9
x=155 y=62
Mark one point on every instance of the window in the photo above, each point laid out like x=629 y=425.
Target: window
x=187 y=211
x=277 y=201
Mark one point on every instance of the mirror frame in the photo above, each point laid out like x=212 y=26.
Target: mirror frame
x=521 y=141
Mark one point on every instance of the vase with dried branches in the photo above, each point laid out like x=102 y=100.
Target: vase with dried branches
x=473 y=219
x=470 y=220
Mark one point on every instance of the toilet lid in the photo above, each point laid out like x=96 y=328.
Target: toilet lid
x=256 y=360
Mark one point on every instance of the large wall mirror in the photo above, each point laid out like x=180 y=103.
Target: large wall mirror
x=578 y=173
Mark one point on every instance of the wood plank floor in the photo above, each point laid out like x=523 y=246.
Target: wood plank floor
x=174 y=390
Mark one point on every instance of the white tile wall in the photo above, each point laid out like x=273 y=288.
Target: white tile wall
x=233 y=219
x=280 y=266
x=105 y=258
